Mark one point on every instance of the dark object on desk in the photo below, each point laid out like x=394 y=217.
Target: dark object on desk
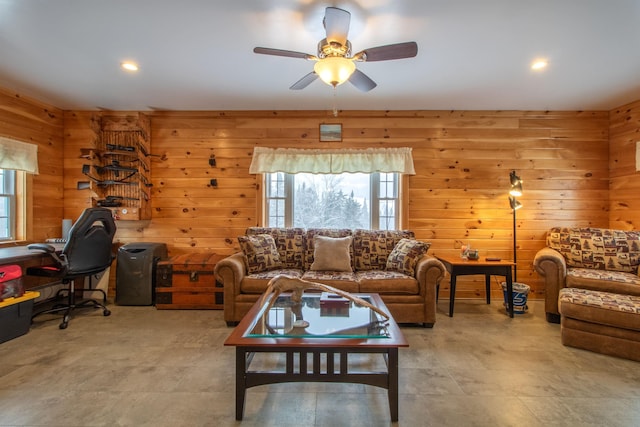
x=56 y=240
x=87 y=252
x=473 y=255
x=10 y=282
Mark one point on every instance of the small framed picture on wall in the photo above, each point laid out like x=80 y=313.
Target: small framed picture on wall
x=330 y=132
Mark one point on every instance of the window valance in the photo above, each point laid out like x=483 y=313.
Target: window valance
x=294 y=160
x=18 y=155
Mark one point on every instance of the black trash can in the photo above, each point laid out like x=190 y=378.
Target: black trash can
x=136 y=272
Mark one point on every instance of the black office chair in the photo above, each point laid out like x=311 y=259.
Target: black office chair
x=88 y=251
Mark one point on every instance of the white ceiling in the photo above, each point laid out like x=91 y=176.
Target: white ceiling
x=197 y=54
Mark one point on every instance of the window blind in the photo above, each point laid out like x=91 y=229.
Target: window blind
x=16 y=155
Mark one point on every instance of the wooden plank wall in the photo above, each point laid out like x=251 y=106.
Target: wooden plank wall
x=31 y=121
x=624 y=189
x=459 y=194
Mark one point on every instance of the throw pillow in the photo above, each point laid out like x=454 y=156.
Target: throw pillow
x=331 y=253
x=405 y=255
x=261 y=253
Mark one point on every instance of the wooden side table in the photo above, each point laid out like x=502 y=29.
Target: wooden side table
x=457 y=266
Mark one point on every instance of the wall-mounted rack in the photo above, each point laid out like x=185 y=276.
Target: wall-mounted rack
x=120 y=172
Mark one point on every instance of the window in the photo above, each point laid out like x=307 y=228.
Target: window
x=7 y=204
x=345 y=200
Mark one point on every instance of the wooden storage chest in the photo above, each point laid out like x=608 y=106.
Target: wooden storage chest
x=187 y=282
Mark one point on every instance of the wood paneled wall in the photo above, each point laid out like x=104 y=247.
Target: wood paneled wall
x=459 y=194
x=624 y=188
x=31 y=121
x=578 y=169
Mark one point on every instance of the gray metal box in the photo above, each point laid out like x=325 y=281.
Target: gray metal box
x=136 y=272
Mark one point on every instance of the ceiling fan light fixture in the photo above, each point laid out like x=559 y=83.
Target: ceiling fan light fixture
x=539 y=64
x=129 y=66
x=334 y=70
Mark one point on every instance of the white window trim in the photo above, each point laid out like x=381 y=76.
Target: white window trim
x=289 y=190
x=19 y=216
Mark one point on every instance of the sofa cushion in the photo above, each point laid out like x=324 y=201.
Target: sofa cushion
x=371 y=248
x=289 y=241
x=604 y=308
x=387 y=282
x=309 y=247
x=597 y=248
x=260 y=253
x=344 y=280
x=257 y=283
x=405 y=256
x=603 y=280
x=332 y=253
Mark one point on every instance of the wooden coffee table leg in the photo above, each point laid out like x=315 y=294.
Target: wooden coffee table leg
x=241 y=368
x=392 y=370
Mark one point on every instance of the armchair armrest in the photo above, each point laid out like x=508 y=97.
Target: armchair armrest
x=230 y=271
x=429 y=272
x=551 y=265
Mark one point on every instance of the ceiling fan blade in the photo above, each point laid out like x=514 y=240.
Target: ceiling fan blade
x=305 y=81
x=361 y=81
x=388 y=52
x=280 y=52
x=336 y=23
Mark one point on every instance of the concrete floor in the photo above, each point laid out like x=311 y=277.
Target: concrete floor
x=148 y=367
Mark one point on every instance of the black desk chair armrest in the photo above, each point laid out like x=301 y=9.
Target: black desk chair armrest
x=50 y=249
x=41 y=247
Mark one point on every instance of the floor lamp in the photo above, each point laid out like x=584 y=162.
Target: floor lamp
x=515 y=191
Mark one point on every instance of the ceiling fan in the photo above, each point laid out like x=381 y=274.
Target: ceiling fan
x=335 y=63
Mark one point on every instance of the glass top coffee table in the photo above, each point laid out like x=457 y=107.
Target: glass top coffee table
x=316 y=336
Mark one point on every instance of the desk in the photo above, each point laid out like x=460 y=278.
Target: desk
x=457 y=266
x=24 y=257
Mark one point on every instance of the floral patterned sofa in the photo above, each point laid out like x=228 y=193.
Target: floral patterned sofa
x=596 y=259
x=388 y=262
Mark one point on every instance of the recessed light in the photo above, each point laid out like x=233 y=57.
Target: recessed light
x=129 y=66
x=539 y=64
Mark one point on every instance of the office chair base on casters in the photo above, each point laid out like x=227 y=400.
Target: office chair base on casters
x=69 y=308
x=59 y=294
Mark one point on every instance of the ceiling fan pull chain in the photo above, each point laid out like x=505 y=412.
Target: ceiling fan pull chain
x=335 y=101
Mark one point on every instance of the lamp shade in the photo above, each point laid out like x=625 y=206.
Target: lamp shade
x=334 y=70
x=516 y=184
x=515 y=205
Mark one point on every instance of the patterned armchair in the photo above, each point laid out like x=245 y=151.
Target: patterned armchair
x=598 y=259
